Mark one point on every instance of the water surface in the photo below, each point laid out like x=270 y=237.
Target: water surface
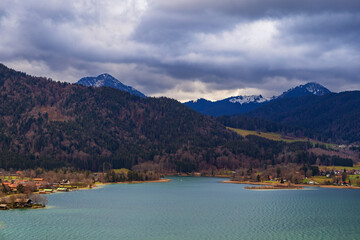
x=189 y=208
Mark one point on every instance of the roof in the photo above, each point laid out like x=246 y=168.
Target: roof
x=22 y=200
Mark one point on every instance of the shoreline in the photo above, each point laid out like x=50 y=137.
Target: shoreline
x=275 y=187
x=100 y=185
x=95 y=186
x=295 y=185
x=136 y=182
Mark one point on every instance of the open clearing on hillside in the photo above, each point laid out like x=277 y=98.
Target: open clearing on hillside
x=278 y=137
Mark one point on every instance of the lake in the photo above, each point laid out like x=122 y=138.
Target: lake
x=189 y=208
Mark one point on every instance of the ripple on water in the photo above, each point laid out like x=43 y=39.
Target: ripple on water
x=2 y=225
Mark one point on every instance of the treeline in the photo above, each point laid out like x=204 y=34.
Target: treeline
x=128 y=176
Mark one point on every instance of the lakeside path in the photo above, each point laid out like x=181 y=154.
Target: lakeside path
x=284 y=184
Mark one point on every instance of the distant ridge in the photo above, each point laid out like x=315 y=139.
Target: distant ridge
x=106 y=80
x=228 y=106
x=245 y=104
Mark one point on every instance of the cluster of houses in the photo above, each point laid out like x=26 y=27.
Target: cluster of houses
x=17 y=203
x=16 y=184
x=329 y=173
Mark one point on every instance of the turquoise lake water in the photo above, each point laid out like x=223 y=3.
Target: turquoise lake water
x=189 y=208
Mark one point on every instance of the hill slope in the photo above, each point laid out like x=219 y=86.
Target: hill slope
x=50 y=124
x=332 y=117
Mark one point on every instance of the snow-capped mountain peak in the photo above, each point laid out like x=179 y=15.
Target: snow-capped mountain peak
x=244 y=104
x=107 y=80
x=310 y=88
x=315 y=88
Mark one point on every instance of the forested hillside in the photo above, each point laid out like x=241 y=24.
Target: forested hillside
x=51 y=124
x=333 y=117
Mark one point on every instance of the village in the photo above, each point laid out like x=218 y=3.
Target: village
x=24 y=189
x=28 y=188
x=322 y=176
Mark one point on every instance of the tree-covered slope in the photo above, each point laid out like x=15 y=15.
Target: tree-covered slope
x=59 y=124
x=51 y=124
x=332 y=117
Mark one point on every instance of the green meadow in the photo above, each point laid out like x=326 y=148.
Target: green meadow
x=278 y=137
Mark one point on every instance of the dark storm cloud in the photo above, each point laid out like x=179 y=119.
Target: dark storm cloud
x=259 y=8
x=185 y=48
x=324 y=27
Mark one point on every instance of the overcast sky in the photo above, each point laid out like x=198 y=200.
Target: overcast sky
x=187 y=49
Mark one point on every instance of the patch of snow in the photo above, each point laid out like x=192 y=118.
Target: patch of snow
x=99 y=83
x=248 y=99
x=312 y=88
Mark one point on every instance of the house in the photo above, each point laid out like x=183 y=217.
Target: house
x=3 y=207
x=22 y=202
x=13 y=186
x=62 y=189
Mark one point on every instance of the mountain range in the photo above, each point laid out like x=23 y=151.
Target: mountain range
x=106 y=80
x=244 y=104
x=53 y=124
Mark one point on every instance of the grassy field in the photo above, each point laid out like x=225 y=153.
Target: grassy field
x=278 y=137
x=318 y=179
x=338 y=168
x=9 y=178
x=355 y=179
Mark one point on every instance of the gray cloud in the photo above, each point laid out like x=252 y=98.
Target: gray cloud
x=186 y=48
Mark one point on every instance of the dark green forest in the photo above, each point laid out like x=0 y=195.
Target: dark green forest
x=331 y=118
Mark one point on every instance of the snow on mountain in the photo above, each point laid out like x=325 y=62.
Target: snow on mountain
x=248 y=99
x=107 y=80
x=310 y=88
x=244 y=104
